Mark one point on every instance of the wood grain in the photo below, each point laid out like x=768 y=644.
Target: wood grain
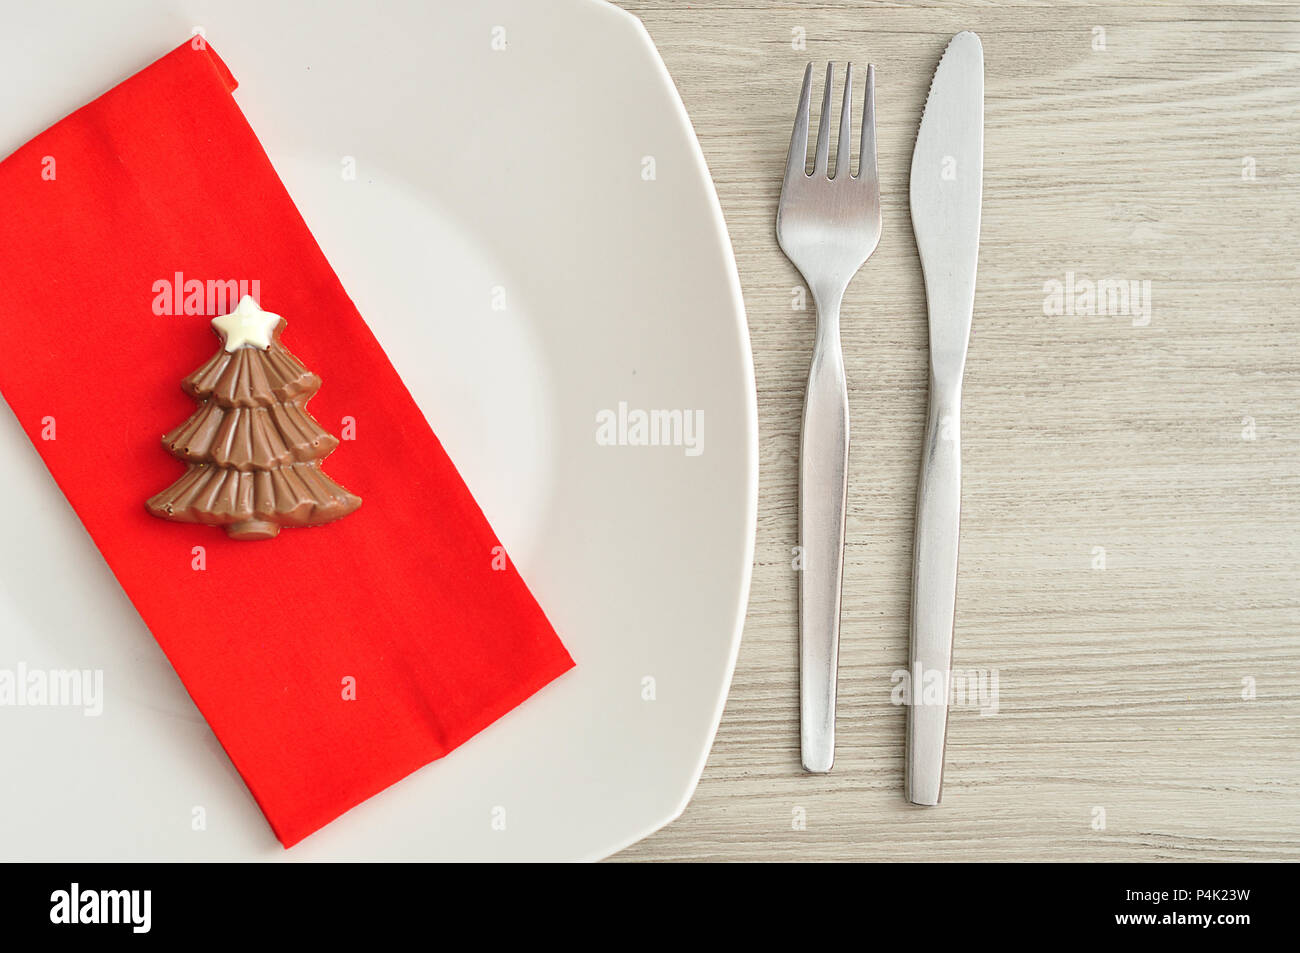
x=1170 y=445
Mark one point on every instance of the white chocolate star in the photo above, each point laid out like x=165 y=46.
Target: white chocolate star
x=247 y=326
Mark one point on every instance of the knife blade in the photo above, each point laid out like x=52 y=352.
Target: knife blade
x=945 y=195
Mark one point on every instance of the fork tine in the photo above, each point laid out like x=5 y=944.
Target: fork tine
x=844 y=151
x=797 y=161
x=867 y=159
x=824 y=126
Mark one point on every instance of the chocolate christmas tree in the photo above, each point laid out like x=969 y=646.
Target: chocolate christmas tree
x=253 y=450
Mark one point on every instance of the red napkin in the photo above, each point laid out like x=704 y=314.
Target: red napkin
x=407 y=604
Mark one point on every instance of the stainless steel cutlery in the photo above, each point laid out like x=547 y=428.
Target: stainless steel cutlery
x=827 y=224
x=945 y=190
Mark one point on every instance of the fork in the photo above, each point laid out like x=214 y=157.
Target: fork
x=828 y=227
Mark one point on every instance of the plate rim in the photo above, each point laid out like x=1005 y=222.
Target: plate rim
x=722 y=236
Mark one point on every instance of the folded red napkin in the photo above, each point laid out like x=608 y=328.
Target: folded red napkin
x=330 y=661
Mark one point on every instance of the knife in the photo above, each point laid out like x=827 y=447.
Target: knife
x=947 y=175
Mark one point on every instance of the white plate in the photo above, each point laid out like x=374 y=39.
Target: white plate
x=482 y=175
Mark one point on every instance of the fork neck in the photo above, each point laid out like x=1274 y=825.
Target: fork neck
x=828 y=298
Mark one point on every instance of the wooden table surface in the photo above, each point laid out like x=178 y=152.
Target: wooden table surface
x=1131 y=499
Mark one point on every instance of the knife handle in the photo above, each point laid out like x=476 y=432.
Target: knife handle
x=823 y=492
x=934 y=595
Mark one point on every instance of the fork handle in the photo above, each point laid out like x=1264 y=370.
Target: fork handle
x=934 y=595
x=823 y=491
